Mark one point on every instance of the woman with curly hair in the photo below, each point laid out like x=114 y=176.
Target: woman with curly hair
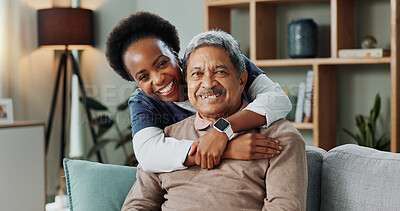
x=144 y=48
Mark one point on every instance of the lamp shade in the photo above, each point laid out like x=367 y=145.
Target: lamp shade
x=61 y=27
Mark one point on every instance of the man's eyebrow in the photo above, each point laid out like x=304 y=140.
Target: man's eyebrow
x=195 y=68
x=155 y=60
x=221 y=66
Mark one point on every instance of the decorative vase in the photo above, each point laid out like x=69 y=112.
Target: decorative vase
x=302 y=38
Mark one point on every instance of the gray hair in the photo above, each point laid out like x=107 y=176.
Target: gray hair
x=218 y=39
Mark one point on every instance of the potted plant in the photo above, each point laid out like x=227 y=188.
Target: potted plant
x=366 y=125
x=106 y=120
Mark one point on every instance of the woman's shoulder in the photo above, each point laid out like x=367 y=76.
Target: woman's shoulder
x=140 y=100
x=139 y=97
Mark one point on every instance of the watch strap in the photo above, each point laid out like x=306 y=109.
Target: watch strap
x=229 y=132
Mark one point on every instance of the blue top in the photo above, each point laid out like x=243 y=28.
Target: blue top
x=150 y=112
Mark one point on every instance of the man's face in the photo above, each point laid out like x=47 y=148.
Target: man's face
x=213 y=86
x=155 y=69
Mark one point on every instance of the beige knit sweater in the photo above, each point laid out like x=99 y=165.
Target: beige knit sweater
x=279 y=183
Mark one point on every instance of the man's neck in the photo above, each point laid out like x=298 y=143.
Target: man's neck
x=215 y=117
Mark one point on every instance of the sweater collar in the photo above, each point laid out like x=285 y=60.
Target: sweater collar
x=202 y=124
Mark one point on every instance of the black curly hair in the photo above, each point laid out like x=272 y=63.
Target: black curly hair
x=133 y=28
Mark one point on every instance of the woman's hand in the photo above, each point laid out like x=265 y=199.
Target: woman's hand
x=252 y=146
x=210 y=148
x=248 y=146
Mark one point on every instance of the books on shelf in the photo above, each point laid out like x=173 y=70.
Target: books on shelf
x=300 y=102
x=308 y=96
x=363 y=53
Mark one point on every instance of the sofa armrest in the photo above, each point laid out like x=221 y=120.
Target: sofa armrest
x=315 y=157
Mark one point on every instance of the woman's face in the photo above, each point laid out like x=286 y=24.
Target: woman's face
x=155 y=69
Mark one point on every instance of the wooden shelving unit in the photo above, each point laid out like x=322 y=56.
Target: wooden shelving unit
x=263 y=52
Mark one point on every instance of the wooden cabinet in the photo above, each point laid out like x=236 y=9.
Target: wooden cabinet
x=22 y=166
x=263 y=52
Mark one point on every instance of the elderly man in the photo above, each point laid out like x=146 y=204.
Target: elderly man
x=216 y=78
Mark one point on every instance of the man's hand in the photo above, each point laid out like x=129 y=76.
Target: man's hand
x=210 y=148
x=252 y=146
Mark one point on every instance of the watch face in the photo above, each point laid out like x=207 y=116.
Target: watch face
x=221 y=124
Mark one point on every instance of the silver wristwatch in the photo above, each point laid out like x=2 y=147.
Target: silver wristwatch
x=224 y=126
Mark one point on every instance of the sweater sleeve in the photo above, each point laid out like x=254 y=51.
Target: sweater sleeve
x=157 y=153
x=286 y=177
x=145 y=194
x=266 y=97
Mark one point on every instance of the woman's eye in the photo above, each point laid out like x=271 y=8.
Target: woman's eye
x=142 y=77
x=163 y=63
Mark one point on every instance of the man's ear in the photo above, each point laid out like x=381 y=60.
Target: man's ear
x=243 y=79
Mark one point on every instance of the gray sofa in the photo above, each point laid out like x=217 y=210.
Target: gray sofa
x=348 y=177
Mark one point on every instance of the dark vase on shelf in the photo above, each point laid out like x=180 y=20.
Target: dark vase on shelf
x=302 y=38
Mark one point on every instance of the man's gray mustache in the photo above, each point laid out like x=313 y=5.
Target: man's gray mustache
x=210 y=91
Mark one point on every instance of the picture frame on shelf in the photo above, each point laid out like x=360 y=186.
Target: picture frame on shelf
x=6 y=111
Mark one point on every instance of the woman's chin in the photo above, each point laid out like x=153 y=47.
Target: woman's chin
x=169 y=98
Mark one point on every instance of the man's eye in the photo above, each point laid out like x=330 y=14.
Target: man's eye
x=220 y=72
x=196 y=73
x=142 y=77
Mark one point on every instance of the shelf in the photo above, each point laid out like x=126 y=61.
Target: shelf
x=320 y=61
x=228 y=3
x=263 y=38
x=245 y=3
x=303 y=125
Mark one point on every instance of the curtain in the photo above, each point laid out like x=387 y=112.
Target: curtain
x=6 y=32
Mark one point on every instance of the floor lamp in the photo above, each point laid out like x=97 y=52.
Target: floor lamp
x=65 y=29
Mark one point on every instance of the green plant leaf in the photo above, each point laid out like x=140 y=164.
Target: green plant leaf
x=382 y=142
x=104 y=123
x=368 y=135
x=374 y=113
x=349 y=133
x=372 y=129
x=102 y=120
x=377 y=106
x=93 y=104
x=360 y=141
x=103 y=128
x=360 y=120
x=367 y=128
x=131 y=160
x=127 y=138
x=123 y=105
x=98 y=146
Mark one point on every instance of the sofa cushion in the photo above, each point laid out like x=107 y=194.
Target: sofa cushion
x=315 y=156
x=95 y=186
x=360 y=178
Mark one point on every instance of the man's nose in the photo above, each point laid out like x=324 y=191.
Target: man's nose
x=208 y=81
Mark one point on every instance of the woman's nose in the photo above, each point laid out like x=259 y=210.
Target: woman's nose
x=158 y=78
